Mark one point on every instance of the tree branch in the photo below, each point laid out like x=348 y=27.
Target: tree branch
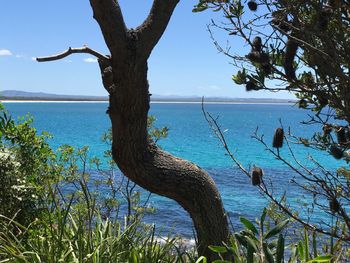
x=155 y=24
x=70 y=51
x=213 y=124
x=109 y=16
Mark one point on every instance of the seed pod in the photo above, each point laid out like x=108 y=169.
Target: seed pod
x=336 y=152
x=257 y=175
x=257 y=44
x=322 y=100
x=278 y=138
x=251 y=86
x=326 y=130
x=341 y=135
x=253 y=6
x=347 y=136
x=302 y=104
x=258 y=57
x=267 y=69
x=334 y=205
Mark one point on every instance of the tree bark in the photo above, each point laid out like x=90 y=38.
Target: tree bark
x=125 y=78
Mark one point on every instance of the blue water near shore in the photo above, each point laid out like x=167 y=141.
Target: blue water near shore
x=190 y=137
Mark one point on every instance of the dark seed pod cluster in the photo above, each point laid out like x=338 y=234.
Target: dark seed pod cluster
x=334 y=205
x=336 y=152
x=250 y=85
x=258 y=57
x=267 y=69
x=253 y=6
x=341 y=135
x=278 y=138
x=257 y=175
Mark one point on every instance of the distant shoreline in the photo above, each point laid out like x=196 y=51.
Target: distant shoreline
x=154 y=102
x=17 y=96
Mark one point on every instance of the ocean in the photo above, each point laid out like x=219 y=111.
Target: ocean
x=82 y=124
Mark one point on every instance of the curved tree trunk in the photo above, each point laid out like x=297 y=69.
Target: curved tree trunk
x=125 y=78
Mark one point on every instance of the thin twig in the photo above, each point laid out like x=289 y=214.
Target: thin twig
x=69 y=51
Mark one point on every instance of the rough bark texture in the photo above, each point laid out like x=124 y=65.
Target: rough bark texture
x=125 y=78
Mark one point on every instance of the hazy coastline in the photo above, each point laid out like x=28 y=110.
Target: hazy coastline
x=15 y=96
x=153 y=102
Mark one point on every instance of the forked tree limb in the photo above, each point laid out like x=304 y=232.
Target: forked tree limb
x=111 y=21
x=151 y=30
x=70 y=51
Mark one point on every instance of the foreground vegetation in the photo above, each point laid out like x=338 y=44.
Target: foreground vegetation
x=54 y=210
x=63 y=206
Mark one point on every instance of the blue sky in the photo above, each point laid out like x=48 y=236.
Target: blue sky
x=185 y=61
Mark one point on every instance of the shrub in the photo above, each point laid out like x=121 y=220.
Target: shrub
x=25 y=168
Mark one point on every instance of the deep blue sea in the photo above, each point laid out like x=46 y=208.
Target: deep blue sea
x=190 y=137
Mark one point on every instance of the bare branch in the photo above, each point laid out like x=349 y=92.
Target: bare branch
x=213 y=124
x=70 y=51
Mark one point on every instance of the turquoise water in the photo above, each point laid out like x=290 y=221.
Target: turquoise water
x=81 y=124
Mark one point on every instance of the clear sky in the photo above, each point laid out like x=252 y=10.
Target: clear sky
x=185 y=61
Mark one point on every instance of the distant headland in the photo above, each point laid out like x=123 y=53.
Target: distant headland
x=25 y=96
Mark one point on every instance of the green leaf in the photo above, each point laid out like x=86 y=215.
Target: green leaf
x=251 y=243
x=268 y=253
x=241 y=240
x=240 y=77
x=301 y=250
x=199 y=8
x=314 y=244
x=277 y=229
x=263 y=216
x=250 y=254
x=218 y=249
x=249 y=225
x=280 y=249
x=221 y=261
x=306 y=245
x=322 y=259
x=202 y=259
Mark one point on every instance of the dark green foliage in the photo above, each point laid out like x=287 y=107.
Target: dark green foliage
x=251 y=86
x=324 y=18
x=307 y=47
x=254 y=244
x=40 y=221
x=25 y=169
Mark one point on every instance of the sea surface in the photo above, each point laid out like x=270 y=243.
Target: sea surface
x=82 y=124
